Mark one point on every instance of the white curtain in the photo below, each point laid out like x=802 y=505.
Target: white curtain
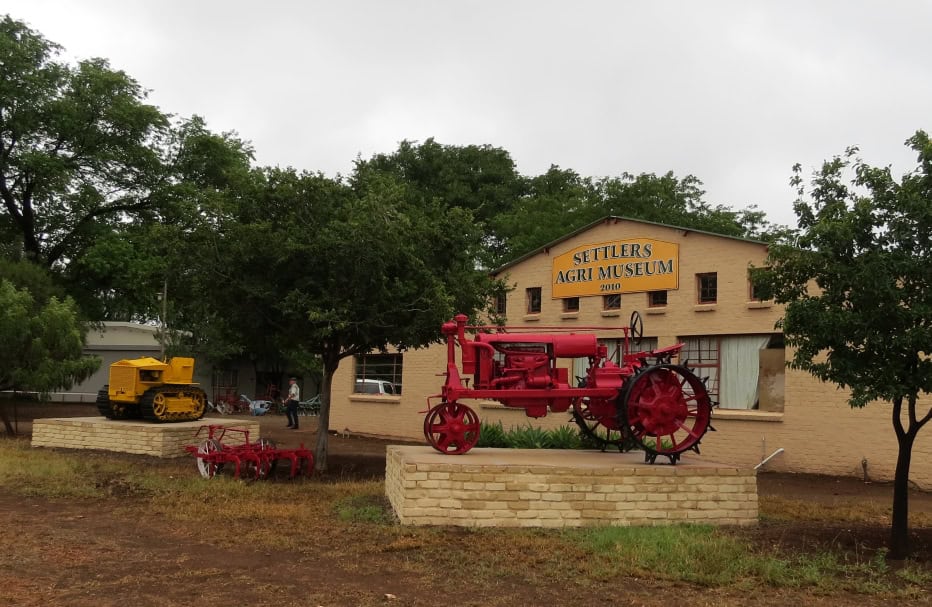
x=740 y=367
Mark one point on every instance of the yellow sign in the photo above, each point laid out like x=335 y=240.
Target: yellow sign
x=621 y=266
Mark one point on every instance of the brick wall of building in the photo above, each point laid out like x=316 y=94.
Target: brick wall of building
x=818 y=431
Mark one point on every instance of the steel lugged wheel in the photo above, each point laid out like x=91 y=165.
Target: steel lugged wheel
x=207 y=468
x=160 y=406
x=597 y=419
x=451 y=428
x=667 y=411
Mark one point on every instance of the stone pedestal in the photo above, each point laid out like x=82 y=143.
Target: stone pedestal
x=551 y=488
x=131 y=436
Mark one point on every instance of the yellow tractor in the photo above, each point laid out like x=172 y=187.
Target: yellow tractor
x=151 y=389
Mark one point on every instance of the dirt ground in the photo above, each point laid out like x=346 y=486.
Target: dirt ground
x=83 y=553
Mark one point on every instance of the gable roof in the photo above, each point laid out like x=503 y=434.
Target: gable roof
x=616 y=218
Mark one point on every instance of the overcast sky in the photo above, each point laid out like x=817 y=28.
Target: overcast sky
x=734 y=93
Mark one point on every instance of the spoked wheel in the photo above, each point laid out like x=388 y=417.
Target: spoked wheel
x=597 y=419
x=451 y=428
x=667 y=411
x=159 y=405
x=207 y=468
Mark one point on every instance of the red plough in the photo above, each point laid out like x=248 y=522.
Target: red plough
x=256 y=460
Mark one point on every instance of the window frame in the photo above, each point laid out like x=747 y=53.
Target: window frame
x=534 y=295
x=703 y=292
x=605 y=302
x=712 y=386
x=651 y=303
x=571 y=305
x=752 y=296
x=500 y=304
x=364 y=370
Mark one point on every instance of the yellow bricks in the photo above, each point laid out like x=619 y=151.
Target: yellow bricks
x=816 y=428
x=126 y=436
x=542 y=488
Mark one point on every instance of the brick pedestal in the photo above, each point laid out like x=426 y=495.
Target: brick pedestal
x=131 y=436
x=549 y=488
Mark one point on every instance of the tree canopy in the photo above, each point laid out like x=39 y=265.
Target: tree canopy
x=41 y=334
x=858 y=292
x=77 y=145
x=310 y=267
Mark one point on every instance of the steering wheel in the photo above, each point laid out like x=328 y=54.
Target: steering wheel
x=636 y=328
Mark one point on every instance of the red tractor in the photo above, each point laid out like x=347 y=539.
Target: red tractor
x=646 y=402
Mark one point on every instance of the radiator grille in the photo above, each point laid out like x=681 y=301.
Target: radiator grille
x=122 y=380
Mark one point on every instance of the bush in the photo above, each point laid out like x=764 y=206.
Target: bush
x=492 y=435
x=565 y=437
x=528 y=437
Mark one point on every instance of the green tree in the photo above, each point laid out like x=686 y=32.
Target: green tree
x=41 y=335
x=318 y=269
x=858 y=294
x=479 y=178
x=78 y=146
x=121 y=273
x=561 y=201
x=556 y=203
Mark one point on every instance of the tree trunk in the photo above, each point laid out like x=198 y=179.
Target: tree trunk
x=899 y=528
x=905 y=437
x=5 y=418
x=331 y=362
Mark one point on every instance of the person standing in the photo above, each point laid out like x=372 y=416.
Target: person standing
x=291 y=403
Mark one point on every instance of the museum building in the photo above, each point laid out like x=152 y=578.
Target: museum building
x=689 y=287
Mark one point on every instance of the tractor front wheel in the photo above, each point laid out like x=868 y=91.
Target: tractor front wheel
x=451 y=428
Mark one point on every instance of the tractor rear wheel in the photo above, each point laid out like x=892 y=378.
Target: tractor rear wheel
x=667 y=410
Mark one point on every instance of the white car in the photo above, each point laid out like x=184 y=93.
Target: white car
x=376 y=386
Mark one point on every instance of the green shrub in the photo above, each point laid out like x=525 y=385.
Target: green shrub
x=528 y=437
x=492 y=435
x=565 y=437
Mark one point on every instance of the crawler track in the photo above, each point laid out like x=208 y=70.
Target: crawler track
x=173 y=403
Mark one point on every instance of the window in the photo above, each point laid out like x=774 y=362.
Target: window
x=378 y=374
x=732 y=364
x=701 y=355
x=656 y=299
x=707 y=285
x=571 y=304
x=533 y=300
x=611 y=302
x=755 y=293
x=499 y=304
